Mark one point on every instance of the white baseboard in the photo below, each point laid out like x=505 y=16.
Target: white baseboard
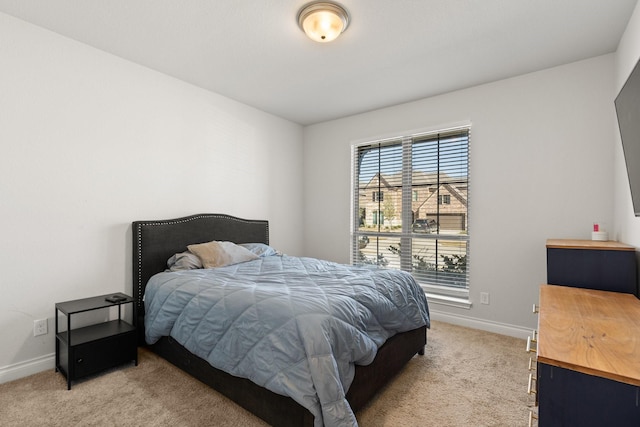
x=26 y=368
x=42 y=363
x=484 y=325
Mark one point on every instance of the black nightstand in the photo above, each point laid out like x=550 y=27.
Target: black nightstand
x=91 y=349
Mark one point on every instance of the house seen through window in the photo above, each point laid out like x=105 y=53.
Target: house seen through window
x=417 y=219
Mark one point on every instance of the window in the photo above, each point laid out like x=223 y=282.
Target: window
x=444 y=199
x=378 y=218
x=421 y=225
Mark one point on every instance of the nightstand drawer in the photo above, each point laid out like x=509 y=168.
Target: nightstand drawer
x=97 y=356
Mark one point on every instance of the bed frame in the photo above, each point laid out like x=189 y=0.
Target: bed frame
x=154 y=242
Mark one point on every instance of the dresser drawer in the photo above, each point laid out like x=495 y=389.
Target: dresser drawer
x=604 y=270
x=570 y=398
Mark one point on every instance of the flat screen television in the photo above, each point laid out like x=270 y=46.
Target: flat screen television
x=628 y=111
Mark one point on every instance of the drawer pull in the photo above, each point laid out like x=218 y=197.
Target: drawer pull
x=532 y=364
x=80 y=360
x=530 y=389
x=536 y=309
x=534 y=336
x=529 y=348
x=532 y=417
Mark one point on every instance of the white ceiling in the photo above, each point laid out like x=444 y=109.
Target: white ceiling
x=394 y=51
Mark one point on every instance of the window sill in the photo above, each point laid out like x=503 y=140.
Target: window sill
x=447 y=300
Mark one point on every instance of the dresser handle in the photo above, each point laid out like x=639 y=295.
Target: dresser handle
x=529 y=349
x=532 y=417
x=534 y=336
x=530 y=389
x=536 y=309
x=532 y=365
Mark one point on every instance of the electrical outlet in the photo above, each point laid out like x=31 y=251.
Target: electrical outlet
x=484 y=298
x=39 y=327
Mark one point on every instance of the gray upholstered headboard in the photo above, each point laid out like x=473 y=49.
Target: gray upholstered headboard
x=155 y=241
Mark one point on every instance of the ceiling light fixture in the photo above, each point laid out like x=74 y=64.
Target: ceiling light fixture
x=323 y=21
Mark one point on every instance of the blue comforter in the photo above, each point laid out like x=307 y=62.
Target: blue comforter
x=293 y=325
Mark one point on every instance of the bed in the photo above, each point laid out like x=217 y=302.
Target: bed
x=154 y=242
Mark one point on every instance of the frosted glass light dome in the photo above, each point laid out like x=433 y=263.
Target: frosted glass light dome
x=323 y=21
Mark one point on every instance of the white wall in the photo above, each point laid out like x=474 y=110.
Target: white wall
x=89 y=143
x=627 y=225
x=541 y=167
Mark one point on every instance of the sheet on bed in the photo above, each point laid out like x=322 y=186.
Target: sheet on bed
x=293 y=325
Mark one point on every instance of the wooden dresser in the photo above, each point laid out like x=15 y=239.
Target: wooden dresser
x=604 y=265
x=588 y=358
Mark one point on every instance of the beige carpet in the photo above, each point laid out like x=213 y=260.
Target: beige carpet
x=466 y=378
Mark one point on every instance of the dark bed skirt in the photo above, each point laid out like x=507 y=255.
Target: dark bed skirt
x=391 y=358
x=283 y=411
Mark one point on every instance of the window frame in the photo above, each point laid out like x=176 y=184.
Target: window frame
x=444 y=199
x=447 y=294
x=378 y=196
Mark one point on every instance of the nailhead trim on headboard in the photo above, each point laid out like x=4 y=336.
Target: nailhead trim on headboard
x=142 y=224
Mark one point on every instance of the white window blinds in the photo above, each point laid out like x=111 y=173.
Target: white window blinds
x=410 y=207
